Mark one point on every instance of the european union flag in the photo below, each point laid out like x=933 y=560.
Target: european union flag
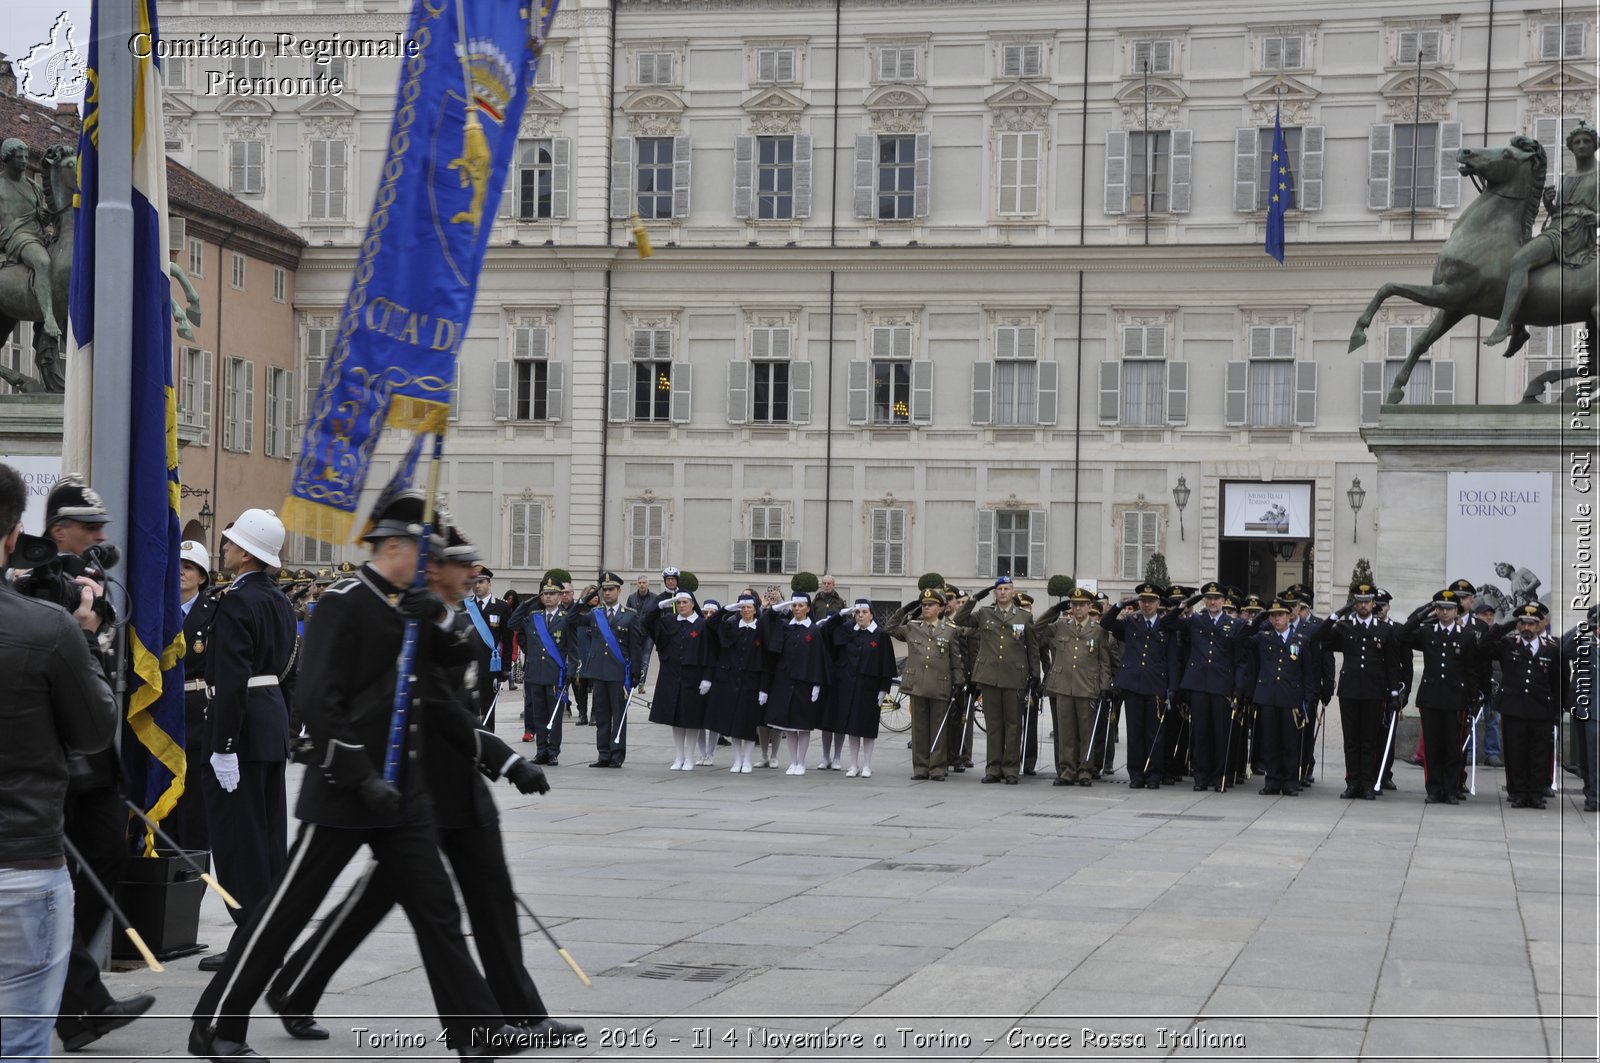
x=1280 y=188
x=460 y=99
x=157 y=767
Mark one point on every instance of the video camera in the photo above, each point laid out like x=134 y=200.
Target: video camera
x=52 y=575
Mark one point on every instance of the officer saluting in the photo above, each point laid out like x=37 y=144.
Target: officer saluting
x=1004 y=665
x=1450 y=669
x=1143 y=676
x=1368 y=681
x=1530 y=699
x=548 y=662
x=1080 y=668
x=611 y=648
x=932 y=677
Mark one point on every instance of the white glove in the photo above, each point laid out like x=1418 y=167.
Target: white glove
x=705 y=686
x=226 y=765
x=783 y=606
x=761 y=698
x=883 y=695
x=814 y=692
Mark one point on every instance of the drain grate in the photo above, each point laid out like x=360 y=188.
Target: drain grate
x=890 y=865
x=1180 y=815
x=1050 y=815
x=675 y=972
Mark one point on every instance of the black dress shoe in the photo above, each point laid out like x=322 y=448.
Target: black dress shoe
x=92 y=1026
x=1270 y=791
x=550 y=1032
x=990 y=778
x=1591 y=806
x=552 y=762
x=919 y=778
x=1388 y=784
x=1152 y=785
x=936 y=778
x=541 y=758
x=300 y=1027
x=1350 y=793
x=958 y=767
x=1011 y=780
x=1085 y=782
x=214 y=961
x=1061 y=782
x=1450 y=799
x=1201 y=786
x=204 y=1042
x=1367 y=795
x=601 y=764
x=1134 y=784
x=1030 y=771
x=1291 y=791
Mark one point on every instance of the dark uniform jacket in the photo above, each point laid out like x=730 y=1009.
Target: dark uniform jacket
x=801 y=659
x=933 y=666
x=1530 y=679
x=1149 y=655
x=597 y=662
x=1213 y=647
x=252 y=635
x=538 y=667
x=688 y=656
x=1320 y=669
x=1371 y=652
x=1007 y=652
x=742 y=659
x=1279 y=669
x=197 y=635
x=456 y=753
x=1450 y=663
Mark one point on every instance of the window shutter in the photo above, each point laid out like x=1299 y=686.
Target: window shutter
x=1110 y=392
x=800 y=393
x=738 y=392
x=1449 y=194
x=986 y=542
x=249 y=370
x=1116 y=171
x=1177 y=392
x=922 y=200
x=177 y=238
x=766 y=66
x=1308 y=194
x=1293 y=53
x=866 y=145
x=1049 y=373
x=741 y=555
x=1236 y=393
x=878 y=540
x=785 y=71
x=983 y=392
x=1550 y=42
x=1547 y=131
x=1272 y=53
x=681 y=375
x=620 y=386
x=621 y=177
x=502 y=390
x=682 y=148
x=560 y=177
x=511 y=194
x=205 y=397
x=1574 y=36
x=802 y=176
x=1130 y=544
x=922 y=392
x=1371 y=391
x=1379 y=149
x=555 y=390
x=1036 y=542
x=791 y=556
x=744 y=169
x=1245 y=163
x=1305 y=393
x=1182 y=169
x=858 y=390
x=1444 y=383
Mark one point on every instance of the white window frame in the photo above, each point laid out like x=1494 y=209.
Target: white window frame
x=280 y=284
x=901 y=166
x=239 y=272
x=280 y=412
x=1136 y=351
x=175 y=73
x=651 y=346
x=1021 y=521
x=658 y=193
x=194 y=390
x=247 y=166
x=1160 y=161
x=1293 y=139
x=648 y=72
x=1408 y=42
x=887 y=543
x=897 y=63
x=530 y=349
x=525 y=543
x=1271 y=354
x=1016 y=375
x=197 y=258
x=891 y=344
x=777 y=66
x=238 y=405
x=1021 y=60
x=319 y=343
x=328 y=180
x=782 y=203
x=314 y=551
x=1280 y=43
x=1570 y=40
x=647 y=536
x=1021 y=196
x=1397 y=345
x=1162 y=52
x=1427 y=162
x=1144 y=541
x=535 y=171
x=770 y=346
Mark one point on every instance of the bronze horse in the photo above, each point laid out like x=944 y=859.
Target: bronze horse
x=1470 y=276
x=17 y=301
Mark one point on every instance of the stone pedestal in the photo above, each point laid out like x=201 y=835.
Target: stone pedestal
x=30 y=425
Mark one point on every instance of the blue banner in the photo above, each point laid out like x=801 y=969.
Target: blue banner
x=460 y=99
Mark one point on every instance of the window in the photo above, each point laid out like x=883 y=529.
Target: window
x=1016 y=376
x=197 y=258
x=1140 y=538
x=247 y=162
x=897 y=177
x=1423 y=42
x=652 y=376
x=338 y=68
x=769 y=369
x=280 y=284
x=647 y=523
x=774 y=178
x=655 y=68
x=897 y=64
x=653 y=177
x=891 y=375
x=1419 y=388
x=1271 y=376
x=1012 y=543
x=329 y=179
x=536 y=180
x=1021 y=60
x=1562 y=40
x=1144 y=375
x=1267 y=172
x=526 y=541
x=280 y=412
x=1157 y=55
x=545 y=75
x=530 y=374
x=1283 y=53
x=887 y=545
x=194 y=390
x=1150 y=171
x=319 y=344
x=175 y=72
x=238 y=271
x=315 y=551
x=766 y=540
x=1019 y=173
x=1416 y=164
x=775 y=66
x=238 y=405
x=1549 y=349
x=248 y=67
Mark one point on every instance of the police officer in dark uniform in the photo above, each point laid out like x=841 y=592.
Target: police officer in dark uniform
x=611 y=648
x=186 y=823
x=490 y=618
x=1208 y=677
x=353 y=644
x=1149 y=659
x=1531 y=676
x=1369 y=681
x=1279 y=678
x=549 y=663
x=1449 y=673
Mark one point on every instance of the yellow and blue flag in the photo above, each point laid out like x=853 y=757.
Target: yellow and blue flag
x=460 y=99
x=155 y=709
x=1280 y=186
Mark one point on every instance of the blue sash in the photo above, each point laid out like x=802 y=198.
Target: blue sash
x=483 y=632
x=550 y=646
x=606 y=633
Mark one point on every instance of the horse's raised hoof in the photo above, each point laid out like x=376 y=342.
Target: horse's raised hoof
x=1395 y=397
x=1358 y=340
x=1534 y=399
x=1497 y=337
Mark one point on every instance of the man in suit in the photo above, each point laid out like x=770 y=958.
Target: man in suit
x=611 y=645
x=490 y=616
x=548 y=659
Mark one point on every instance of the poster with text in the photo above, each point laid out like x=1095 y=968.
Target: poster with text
x=1266 y=511
x=39 y=475
x=1497 y=535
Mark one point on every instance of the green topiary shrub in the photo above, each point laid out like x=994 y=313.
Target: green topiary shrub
x=1362 y=573
x=558 y=573
x=1060 y=586
x=804 y=583
x=1155 y=571
x=930 y=579
x=688 y=581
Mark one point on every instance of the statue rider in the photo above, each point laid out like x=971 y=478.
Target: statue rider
x=1569 y=231
x=23 y=217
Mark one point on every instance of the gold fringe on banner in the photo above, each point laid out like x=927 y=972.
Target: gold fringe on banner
x=317 y=521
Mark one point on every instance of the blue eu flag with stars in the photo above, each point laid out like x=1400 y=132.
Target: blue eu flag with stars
x=1280 y=195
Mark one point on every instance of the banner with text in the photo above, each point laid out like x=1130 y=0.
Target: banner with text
x=1497 y=535
x=39 y=475
x=1266 y=511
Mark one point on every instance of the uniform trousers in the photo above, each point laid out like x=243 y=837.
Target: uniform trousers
x=1210 y=717
x=422 y=887
x=95 y=821
x=958 y=732
x=1074 y=720
x=1002 y=719
x=1146 y=758
x=1031 y=718
x=477 y=859
x=1103 y=748
x=187 y=821
x=249 y=830
x=1528 y=747
x=539 y=716
x=1176 y=746
x=1441 y=742
x=929 y=717
x=1280 y=749
x=1308 y=742
x=607 y=707
x=1362 y=722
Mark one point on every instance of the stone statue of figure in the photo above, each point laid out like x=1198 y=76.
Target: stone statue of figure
x=1569 y=231
x=23 y=217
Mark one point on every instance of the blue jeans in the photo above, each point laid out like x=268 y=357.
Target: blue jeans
x=1490 y=726
x=35 y=938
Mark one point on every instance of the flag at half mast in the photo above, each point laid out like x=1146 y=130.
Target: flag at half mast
x=1280 y=189
x=392 y=364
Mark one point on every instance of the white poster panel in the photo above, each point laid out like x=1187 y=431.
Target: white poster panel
x=1497 y=535
x=39 y=475
x=1266 y=511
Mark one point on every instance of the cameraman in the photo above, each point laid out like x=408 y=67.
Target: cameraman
x=57 y=702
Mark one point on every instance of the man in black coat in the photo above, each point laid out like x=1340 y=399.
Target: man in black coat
x=612 y=646
x=1531 y=681
x=186 y=823
x=491 y=620
x=549 y=662
x=1144 y=678
x=1369 y=681
x=1450 y=669
x=1214 y=641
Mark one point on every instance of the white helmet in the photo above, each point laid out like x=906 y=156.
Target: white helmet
x=259 y=533
x=196 y=554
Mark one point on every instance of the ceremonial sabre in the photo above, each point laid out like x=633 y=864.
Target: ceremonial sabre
x=563 y=953
x=1388 y=744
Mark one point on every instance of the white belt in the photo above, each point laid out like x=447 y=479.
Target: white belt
x=195 y=684
x=262 y=681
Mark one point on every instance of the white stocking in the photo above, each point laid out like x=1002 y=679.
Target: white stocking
x=855 y=751
x=680 y=739
x=866 y=752
x=795 y=754
x=805 y=744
